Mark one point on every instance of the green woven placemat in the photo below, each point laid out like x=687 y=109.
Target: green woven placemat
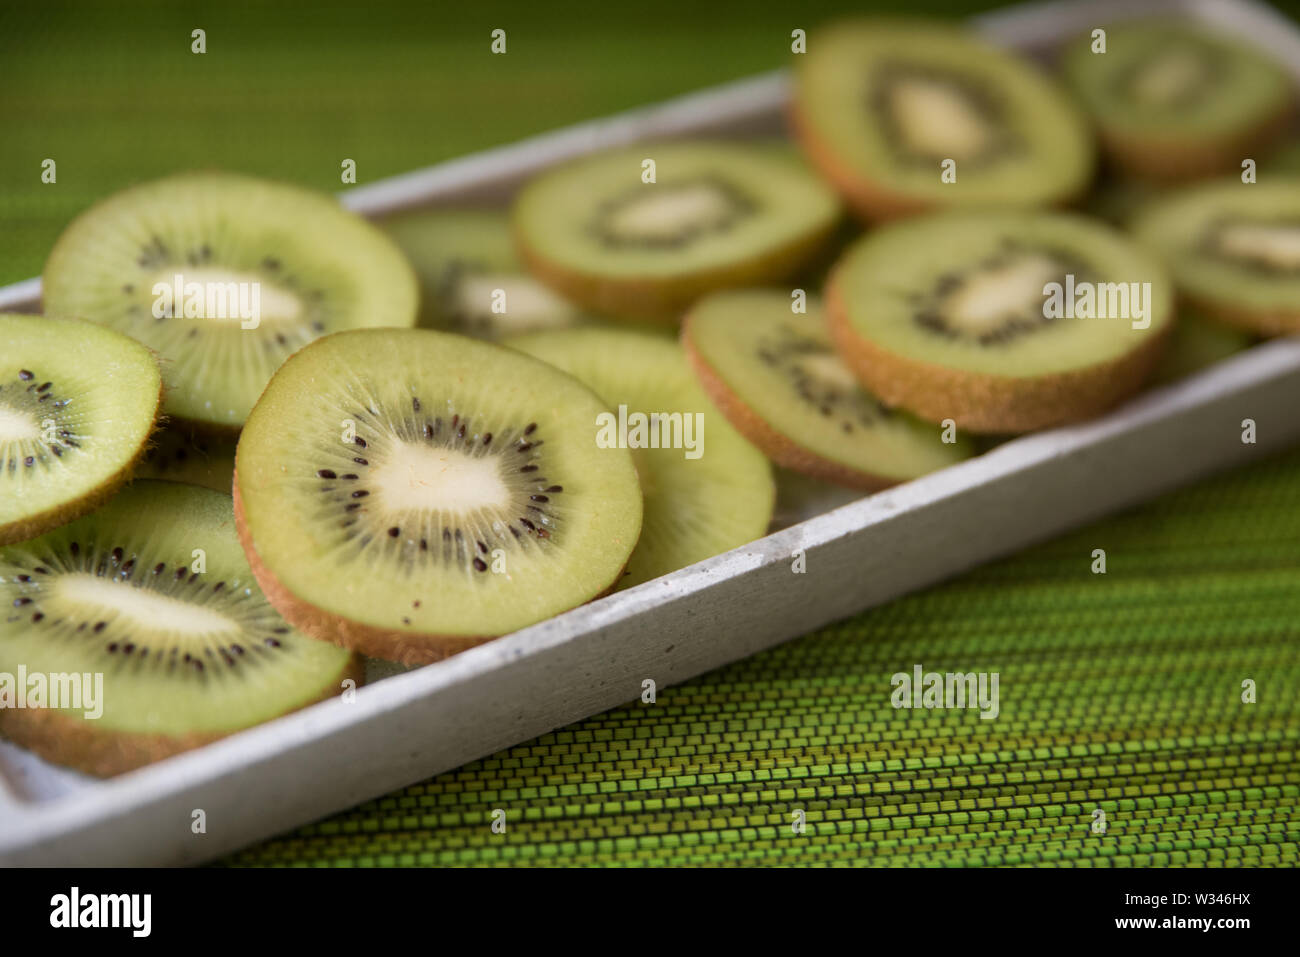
x=1120 y=691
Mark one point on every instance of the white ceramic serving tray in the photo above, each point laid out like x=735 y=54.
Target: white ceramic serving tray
x=411 y=725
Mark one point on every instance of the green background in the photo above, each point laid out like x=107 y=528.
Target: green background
x=1118 y=691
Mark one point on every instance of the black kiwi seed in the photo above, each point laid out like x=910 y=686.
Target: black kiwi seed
x=25 y=375
x=326 y=474
x=360 y=441
x=479 y=564
x=360 y=461
x=360 y=493
x=394 y=532
x=415 y=404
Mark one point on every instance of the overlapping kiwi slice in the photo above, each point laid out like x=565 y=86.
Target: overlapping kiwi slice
x=778 y=379
x=707 y=490
x=153 y=594
x=881 y=105
x=263 y=269
x=716 y=215
x=77 y=405
x=1234 y=249
x=952 y=317
x=409 y=493
x=194 y=457
x=1173 y=100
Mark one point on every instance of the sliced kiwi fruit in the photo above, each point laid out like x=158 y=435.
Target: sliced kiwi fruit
x=153 y=593
x=1197 y=343
x=707 y=490
x=984 y=318
x=1234 y=249
x=881 y=105
x=471 y=281
x=777 y=377
x=264 y=268
x=1172 y=100
x=410 y=493
x=717 y=215
x=77 y=405
x=183 y=455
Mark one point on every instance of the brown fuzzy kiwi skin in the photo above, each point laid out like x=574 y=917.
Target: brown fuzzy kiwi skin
x=70 y=742
x=779 y=448
x=1274 y=322
x=991 y=404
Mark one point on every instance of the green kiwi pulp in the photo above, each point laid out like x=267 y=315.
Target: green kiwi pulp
x=225 y=276
x=181 y=455
x=882 y=105
x=777 y=377
x=1197 y=343
x=715 y=215
x=707 y=490
x=77 y=404
x=153 y=594
x=1173 y=100
x=471 y=281
x=409 y=493
x=1234 y=249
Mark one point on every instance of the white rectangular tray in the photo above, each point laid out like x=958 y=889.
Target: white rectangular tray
x=411 y=725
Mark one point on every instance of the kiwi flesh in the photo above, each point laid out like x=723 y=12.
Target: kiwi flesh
x=183 y=455
x=948 y=316
x=1173 y=101
x=717 y=215
x=700 y=501
x=1234 y=250
x=411 y=493
x=880 y=105
x=153 y=593
x=1197 y=343
x=264 y=268
x=777 y=377
x=77 y=405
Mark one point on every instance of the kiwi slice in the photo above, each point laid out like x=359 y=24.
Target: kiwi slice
x=707 y=490
x=182 y=455
x=1234 y=249
x=264 y=268
x=186 y=656
x=410 y=493
x=881 y=104
x=471 y=281
x=717 y=215
x=1197 y=343
x=950 y=317
x=77 y=404
x=1172 y=100
x=778 y=379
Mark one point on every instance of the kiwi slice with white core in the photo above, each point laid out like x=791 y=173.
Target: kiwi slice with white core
x=716 y=215
x=225 y=276
x=149 y=607
x=196 y=458
x=410 y=493
x=885 y=108
x=77 y=404
x=1234 y=250
x=1197 y=343
x=1001 y=321
x=471 y=281
x=1173 y=100
x=778 y=379
x=707 y=490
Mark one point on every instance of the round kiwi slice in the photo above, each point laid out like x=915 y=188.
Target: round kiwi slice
x=1172 y=100
x=183 y=455
x=881 y=105
x=707 y=490
x=410 y=493
x=471 y=281
x=717 y=215
x=779 y=381
x=1197 y=343
x=77 y=404
x=1001 y=321
x=149 y=607
x=224 y=276
x=1234 y=249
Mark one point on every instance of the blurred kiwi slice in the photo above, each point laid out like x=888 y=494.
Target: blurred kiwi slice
x=1000 y=321
x=1197 y=343
x=882 y=105
x=778 y=379
x=410 y=493
x=1234 y=250
x=717 y=214
x=1172 y=100
x=196 y=458
x=707 y=490
x=471 y=281
x=77 y=405
x=153 y=593
x=263 y=269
